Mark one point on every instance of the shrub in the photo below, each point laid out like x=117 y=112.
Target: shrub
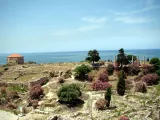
x=151 y=79
x=36 y=91
x=108 y=96
x=121 y=84
x=60 y=80
x=100 y=104
x=81 y=71
x=147 y=69
x=123 y=118
x=103 y=77
x=69 y=93
x=99 y=85
x=110 y=69
x=155 y=62
x=140 y=87
x=133 y=69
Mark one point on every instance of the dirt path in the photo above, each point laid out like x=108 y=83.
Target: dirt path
x=7 y=116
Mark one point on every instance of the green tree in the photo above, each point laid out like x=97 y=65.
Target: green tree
x=155 y=62
x=129 y=57
x=69 y=94
x=122 y=58
x=121 y=84
x=108 y=96
x=93 y=56
x=81 y=71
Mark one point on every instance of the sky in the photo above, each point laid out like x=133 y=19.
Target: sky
x=28 y=26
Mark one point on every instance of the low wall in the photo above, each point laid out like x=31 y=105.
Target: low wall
x=40 y=81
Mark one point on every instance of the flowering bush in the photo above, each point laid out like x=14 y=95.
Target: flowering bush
x=140 y=87
x=110 y=69
x=133 y=69
x=147 y=69
x=103 y=77
x=99 y=85
x=100 y=104
x=36 y=91
x=150 y=79
x=123 y=118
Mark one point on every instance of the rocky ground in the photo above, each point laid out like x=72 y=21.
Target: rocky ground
x=137 y=106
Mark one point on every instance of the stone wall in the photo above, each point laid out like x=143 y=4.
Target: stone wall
x=40 y=81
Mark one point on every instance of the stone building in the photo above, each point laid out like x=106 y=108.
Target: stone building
x=15 y=59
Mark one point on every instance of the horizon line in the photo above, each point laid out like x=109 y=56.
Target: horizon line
x=76 y=51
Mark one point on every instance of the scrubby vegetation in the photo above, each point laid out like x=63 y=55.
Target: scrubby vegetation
x=101 y=88
x=150 y=79
x=69 y=94
x=110 y=69
x=140 y=87
x=81 y=71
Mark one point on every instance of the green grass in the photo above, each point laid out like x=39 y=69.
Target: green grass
x=26 y=78
x=18 y=88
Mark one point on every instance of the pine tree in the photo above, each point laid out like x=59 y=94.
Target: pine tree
x=121 y=84
x=108 y=96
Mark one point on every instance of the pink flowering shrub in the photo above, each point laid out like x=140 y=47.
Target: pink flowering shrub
x=150 y=79
x=99 y=85
x=133 y=69
x=103 y=77
x=146 y=69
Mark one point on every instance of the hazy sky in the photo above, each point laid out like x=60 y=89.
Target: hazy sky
x=77 y=25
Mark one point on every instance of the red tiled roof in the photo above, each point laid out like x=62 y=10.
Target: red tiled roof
x=14 y=55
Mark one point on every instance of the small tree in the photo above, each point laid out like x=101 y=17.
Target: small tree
x=81 y=71
x=69 y=94
x=121 y=84
x=122 y=58
x=108 y=96
x=93 y=56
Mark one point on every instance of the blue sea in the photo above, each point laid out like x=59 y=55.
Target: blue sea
x=52 y=57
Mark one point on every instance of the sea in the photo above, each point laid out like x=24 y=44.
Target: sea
x=77 y=56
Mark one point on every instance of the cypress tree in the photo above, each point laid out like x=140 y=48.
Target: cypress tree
x=121 y=84
x=108 y=96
